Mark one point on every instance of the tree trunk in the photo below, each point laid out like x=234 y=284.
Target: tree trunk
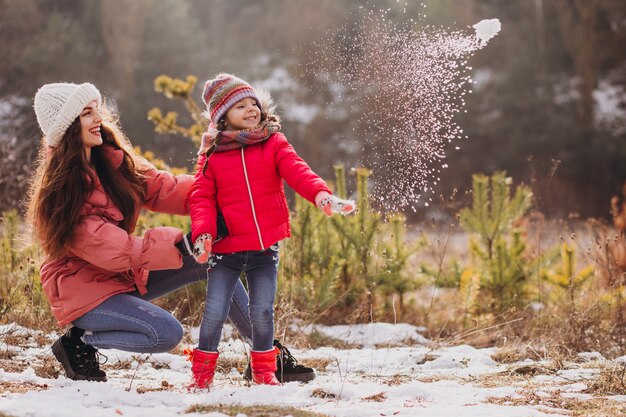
x=122 y=29
x=577 y=19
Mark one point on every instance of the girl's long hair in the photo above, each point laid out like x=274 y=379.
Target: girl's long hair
x=64 y=179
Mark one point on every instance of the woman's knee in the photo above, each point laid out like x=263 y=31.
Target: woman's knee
x=170 y=335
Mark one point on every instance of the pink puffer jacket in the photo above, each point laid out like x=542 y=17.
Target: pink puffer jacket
x=247 y=186
x=105 y=260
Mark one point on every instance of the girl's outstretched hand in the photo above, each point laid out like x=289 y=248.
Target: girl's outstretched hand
x=202 y=248
x=330 y=204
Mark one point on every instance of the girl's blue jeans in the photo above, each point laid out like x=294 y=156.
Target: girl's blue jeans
x=261 y=271
x=132 y=323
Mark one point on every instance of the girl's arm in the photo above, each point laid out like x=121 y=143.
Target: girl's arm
x=110 y=247
x=166 y=192
x=296 y=172
x=203 y=202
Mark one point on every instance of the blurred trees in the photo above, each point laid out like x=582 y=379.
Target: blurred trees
x=539 y=108
x=532 y=108
x=122 y=30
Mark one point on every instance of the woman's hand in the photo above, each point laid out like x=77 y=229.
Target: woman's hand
x=158 y=250
x=202 y=248
x=330 y=204
x=184 y=246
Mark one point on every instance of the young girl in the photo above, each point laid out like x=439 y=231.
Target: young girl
x=84 y=203
x=243 y=161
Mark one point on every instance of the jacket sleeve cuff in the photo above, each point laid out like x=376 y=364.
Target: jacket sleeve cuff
x=136 y=252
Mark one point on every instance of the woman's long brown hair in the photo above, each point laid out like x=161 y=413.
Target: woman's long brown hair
x=65 y=178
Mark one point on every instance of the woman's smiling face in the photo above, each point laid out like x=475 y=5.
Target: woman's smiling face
x=90 y=122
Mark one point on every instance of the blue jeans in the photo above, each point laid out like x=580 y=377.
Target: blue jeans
x=130 y=322
x=261 y=270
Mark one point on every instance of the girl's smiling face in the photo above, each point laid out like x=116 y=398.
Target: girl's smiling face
x=90 y=122
x=245 y=114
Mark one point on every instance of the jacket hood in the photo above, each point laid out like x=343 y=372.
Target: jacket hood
x=268 y=107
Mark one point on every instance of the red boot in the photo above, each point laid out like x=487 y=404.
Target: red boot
x=202 y=368
x=263 y=366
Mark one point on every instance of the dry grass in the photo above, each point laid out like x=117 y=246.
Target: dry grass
x=428 y=379
x=429 y=357
x=44 y=368
x=403 y=343
x=320 y=393
x=593 y=407
x=15 y=337
x=47 y=368
x=254 y=411
x=20 y=387
x=6 y=355
x=521 y=375
x=224 y=365
x=320 y=364
x=567 y=322
x=317 y=340
x=165 y=386
x=397 y=380
x=13 y=366
x=32 y=317
x=125 y=365
x=511 y=353
x=534 y=369
x=544 y=396
x=610 y=381
x=501 y=379
x=378 y=398
x=549 y=334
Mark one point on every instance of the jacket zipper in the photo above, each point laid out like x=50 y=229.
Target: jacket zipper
x=256 y=223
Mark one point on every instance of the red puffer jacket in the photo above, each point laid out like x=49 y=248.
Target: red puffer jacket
x=247 y=186
x=105 y=260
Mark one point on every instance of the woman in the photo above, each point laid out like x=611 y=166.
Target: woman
x=84 y=203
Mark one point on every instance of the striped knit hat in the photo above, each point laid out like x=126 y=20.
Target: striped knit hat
x=223 y=92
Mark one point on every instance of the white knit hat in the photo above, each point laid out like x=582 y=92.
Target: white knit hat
x=58 y=105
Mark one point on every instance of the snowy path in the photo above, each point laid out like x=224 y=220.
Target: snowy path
x=381 y=379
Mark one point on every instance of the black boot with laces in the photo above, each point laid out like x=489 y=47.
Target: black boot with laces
x=80 y=361
x=289 y=369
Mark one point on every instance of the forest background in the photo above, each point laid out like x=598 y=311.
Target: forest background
x=512 y=253
x=548 y=103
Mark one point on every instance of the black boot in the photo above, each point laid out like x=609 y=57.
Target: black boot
x=288 y=368
x=80 y=361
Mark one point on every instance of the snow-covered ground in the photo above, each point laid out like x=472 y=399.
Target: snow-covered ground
x=389 y=370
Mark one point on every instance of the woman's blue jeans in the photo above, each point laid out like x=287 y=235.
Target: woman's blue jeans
x=261 y=270
x=130 y=322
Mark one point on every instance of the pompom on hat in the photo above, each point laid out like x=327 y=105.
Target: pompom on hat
x=223 y=92
x=58 y=105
